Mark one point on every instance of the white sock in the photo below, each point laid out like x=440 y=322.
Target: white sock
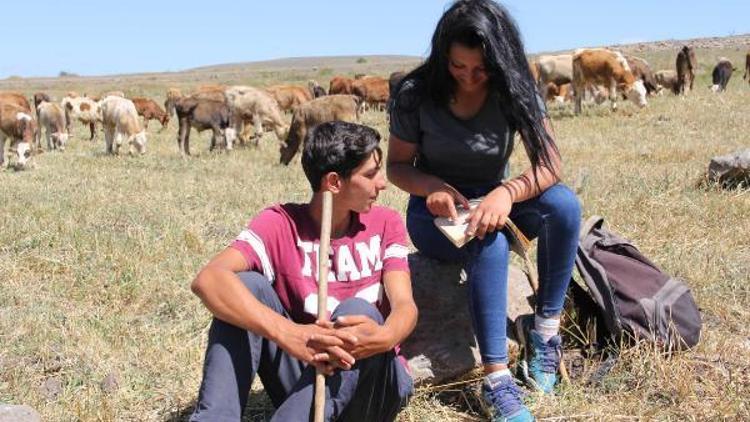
x=493 y=378
x=546 y=327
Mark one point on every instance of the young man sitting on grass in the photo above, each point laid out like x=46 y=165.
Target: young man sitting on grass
x=262 y=291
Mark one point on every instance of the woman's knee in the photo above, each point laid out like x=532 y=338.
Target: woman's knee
x=564 y=206
x=358 y=306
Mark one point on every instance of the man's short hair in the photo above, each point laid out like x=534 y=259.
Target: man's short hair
x=337 y=147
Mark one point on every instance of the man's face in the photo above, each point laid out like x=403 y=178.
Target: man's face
x=361 y=190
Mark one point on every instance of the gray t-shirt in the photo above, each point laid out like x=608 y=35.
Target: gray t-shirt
x=467 y=153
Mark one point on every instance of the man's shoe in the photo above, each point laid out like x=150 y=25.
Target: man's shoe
x=541 y=360
x=505 y=398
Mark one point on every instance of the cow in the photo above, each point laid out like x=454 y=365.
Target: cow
x=747 y=68
x=534 y=69
x=21 y=101
x=52 y=120
x=17 y=124
x=316 y=90
x=721 y=74
x=687 y=66
x=149 y=109
x=289 y=96
x=642 y=71
x=373 y=90
x=256 y=106
x=559 y=94
x=173 y=94
x=340 y=85
x=203 y=92
x=202 y=114
x=554 y=68
x=83 y=109
x=315 y=112
x=121 y=124
x=39 y=97
x=668 y=79
x=609 y=68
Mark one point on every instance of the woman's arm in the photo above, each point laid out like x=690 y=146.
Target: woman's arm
x=530 y=184
x=491 y=214
x=441 y=197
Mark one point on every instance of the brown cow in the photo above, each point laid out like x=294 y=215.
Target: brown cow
x=687 y=66
x=642 y=71
x=289 y=96
x=373 y=90
x=203 y=114
x=600 y=66
x=21 y=101
x=173 y=94
x=148 y=109
x=747 y=68
x=340 y=85
x=39 y=97
x=315 y=112
x=52 y=120
x=668 y=79
x=17 y=124
x=559 y=94
x=316 y=90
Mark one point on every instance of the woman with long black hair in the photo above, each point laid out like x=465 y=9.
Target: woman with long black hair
x=453 y=120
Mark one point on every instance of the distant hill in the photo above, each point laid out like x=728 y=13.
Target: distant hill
x=290 y=63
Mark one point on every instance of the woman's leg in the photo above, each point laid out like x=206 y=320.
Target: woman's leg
x=486 y=264
x=554 y=217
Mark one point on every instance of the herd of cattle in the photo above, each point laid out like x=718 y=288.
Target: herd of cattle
x=602 y=74
x=242 y=113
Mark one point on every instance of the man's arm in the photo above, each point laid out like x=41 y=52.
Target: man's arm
x=224 y=294
x=374 y=339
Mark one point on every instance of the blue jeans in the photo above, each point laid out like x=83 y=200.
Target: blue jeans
x=554 y=217
x=375 y=389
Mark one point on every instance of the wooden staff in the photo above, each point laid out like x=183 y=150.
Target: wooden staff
x=325 y=244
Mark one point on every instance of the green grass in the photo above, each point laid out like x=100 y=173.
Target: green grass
x=97 y=253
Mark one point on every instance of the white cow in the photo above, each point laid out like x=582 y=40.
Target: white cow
x=251 y=104
x=121 y=124
x=83 y=109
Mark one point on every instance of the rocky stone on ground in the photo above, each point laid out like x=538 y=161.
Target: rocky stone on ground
x=15 y=413
x=731 y=169
x=442 y=345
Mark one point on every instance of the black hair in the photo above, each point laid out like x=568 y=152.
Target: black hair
x=487 y=25
x=338 y=147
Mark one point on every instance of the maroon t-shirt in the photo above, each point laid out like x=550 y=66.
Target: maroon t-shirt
x=282 y=242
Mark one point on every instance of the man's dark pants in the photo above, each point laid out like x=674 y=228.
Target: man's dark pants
x=375 y=389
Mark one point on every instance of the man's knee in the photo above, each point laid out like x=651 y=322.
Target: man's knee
x=358 y=306
x=259 y=285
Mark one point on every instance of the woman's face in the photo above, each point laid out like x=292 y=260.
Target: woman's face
x=466 y=65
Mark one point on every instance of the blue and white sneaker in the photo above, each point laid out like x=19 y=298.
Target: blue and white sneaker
x=541 y=361
x=506 y=400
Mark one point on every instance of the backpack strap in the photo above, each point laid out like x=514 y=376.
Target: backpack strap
x=593 y=222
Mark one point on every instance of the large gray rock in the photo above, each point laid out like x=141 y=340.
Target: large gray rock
x=730 y=169
x=443 y=346
x=12 y=413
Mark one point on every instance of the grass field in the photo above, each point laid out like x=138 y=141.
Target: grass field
x=97 y=253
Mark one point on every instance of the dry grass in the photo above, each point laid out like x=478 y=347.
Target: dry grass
x=96 y=254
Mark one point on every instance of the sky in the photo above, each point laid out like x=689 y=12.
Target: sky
x=132 y=36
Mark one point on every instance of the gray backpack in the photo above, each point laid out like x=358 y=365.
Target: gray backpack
x=629 y=294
